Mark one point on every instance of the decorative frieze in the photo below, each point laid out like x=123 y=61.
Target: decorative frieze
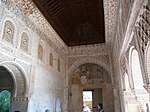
x=88 y=50
x=123 y=65
x=110 y=13
x=25 y=6
x=105 y=58
x=99 y=51
x=77 y=61
x=19 y=99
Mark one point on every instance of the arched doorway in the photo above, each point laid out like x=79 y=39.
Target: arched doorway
x=12 y=79
x=140 y=93
x=90 y=77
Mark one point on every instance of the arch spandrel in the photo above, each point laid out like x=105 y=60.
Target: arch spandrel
x=93 y=60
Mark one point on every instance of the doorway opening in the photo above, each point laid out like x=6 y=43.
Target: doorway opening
x=87 y=99
x=6 y=88
x=5 y=97
x=92 y=98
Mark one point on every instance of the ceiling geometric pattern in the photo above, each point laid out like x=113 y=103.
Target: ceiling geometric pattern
x=78 y=22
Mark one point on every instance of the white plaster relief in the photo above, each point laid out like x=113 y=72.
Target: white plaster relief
x=88 y=50
x=25 y=64
x=83 y=60
x=8 y=32
x=11 y=6
x=24 y=42
x=104 y=58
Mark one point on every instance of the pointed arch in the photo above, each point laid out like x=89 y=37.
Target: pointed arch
x=135 y=68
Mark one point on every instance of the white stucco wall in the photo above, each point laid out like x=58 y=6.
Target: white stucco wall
x=45 y=83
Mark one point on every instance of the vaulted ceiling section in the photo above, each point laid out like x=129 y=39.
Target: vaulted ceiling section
x=78 y=22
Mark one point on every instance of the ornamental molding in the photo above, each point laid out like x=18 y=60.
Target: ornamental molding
x=90 y=59
x=104 y=57
x=123 y=65
x=29 y=13
x=20 y=99
x=97 y=51
x=88 y=50
x=110 y=13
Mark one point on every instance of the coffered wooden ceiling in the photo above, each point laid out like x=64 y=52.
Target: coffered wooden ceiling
x=78 y=22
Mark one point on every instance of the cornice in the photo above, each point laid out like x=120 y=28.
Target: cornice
x=88 y=50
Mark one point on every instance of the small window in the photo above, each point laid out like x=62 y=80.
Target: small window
x=51 y=59
x=58 y=65
x=57 y=105
x=40 y=52
x=24 y=42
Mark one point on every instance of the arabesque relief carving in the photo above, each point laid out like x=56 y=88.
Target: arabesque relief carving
x=24 y=42
x=8 y=32
x=40 y=52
